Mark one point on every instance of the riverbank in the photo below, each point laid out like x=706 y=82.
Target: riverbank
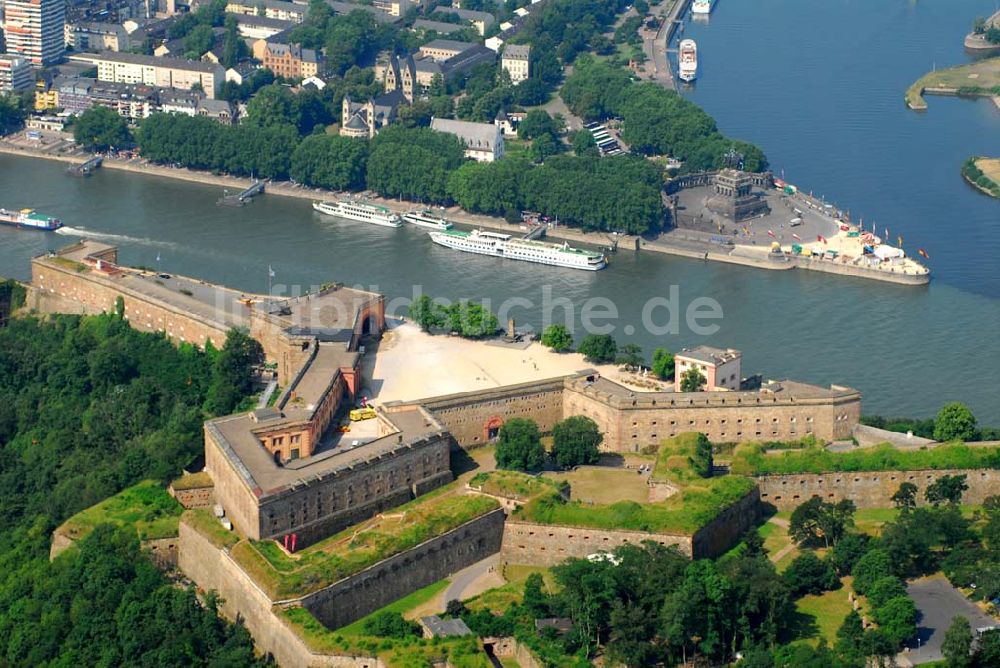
x=983 y=174
x=977 y=43
x=678 y=243
x=978 y=79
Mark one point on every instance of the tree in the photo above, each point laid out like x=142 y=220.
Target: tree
x=535 y=599
x=558 y=338
x=905 y=498
x=426 y=313
x=884 y=590
x=12 y=111
x=101 y=128
x=598 y=348
x=333 y=162
x=536 y=123
x=663 y=364
x=519 y=446
x=808 y=574
x=576 y=440
x=388 y=624
x=692 y=380
x=470 y=319
x=701 y=459
x=630 y=356
x=946 y=489
x=850 y=638
x=198 y=41
x=897 y=619
x=979 y=25
x=847 y=551
x=816 y=519
x=233 y=375
x=272 y=105
x=871 y=568
x=954 y=422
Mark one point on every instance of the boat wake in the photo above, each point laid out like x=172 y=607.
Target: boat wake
x=108 y=236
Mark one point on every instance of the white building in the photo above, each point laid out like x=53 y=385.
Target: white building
x=34 y=29
x=133 y=68
x=15 y=74
x=483 y=141
x=516 y=60
x=96 y=37
x=721 y=368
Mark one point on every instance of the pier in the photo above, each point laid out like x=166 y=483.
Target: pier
x=86 y=168
x=247 y=195
x=537 y=232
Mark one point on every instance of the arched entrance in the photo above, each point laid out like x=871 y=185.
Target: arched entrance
x=491 y=430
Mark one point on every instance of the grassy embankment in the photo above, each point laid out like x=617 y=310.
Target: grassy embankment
x=699 y=501
x=146 y=506
x=983 y=174
x=981 y=78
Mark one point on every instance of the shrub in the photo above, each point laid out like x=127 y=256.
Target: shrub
x=871 y=568
x=599 y=348
x=576 y=441
x=520 y=446
x=808 y=574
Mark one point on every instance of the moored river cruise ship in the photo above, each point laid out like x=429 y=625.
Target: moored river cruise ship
x=359 y=210
x=426 y=219
x=502 y=245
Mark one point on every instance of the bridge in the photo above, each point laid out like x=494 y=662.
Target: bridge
x=247 y=195
x=86 y=168
x=537 y=232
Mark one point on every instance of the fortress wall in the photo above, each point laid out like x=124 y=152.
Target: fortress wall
x=231 y=492
x=57 y=289
x=210 y=568
x=869 y=489
x=469 y=415
x=631 y=428
x=391 y=579
x=725 y=531
x=547 y=544
x=195 y=497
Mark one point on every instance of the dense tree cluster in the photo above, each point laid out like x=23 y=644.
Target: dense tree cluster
x=519 y=446
x=655 y=121
x=101 y=128
x=575 y=441
x=953 y=422
x=89 y=406
x=465 y=318
x=414 y=163
x=348 y=40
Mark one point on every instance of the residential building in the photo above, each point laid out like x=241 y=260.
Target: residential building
x=291 y=61
x=131 y=101
x=133 y=68
x=220 y=111
x=394 y=7
x=96 y=37
x=365 y=119
x=442 y=58
x=509 y=122
x=348 y=7
x=720 y=367
x=483 y=141
x=271 y=9
x=15 y=74
x=481 y=21
x=440 y=27
x=46 y=95
x=34 y=29
x=260 y=27
x=516 y=60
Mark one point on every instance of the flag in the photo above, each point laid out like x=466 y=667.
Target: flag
x=157 y=256
x=923 y=253
x=899 y=241
x=887 y=234
x=270 y=272
x=770 y=233
x=796 y=237
x=820 y=237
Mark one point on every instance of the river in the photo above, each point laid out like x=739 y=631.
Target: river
x=818 y=84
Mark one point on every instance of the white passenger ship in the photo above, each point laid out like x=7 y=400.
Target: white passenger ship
x=687 y=60
x=502 y=245
x=701 y=7
x=426 y=219
x=359 y=210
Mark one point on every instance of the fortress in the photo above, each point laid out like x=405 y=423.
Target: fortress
x=286 y=473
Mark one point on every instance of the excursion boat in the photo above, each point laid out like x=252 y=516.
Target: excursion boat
x=28 y=218
x=687 y=60
x=358 y=210
x=502 y=245
x=701 y=7
x=426 y=219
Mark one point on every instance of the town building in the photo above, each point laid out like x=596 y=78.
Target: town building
x=134 y=68
x=46 y=95
x=508 y=122
x=440 y=59
x=481 y=21
x=256 y=27
x=96 y=37
x=365 y=119
x=721 y=368
x=271 y=9
x=15 y=74
x=439 y=27
x=394 y=7
x=516 y=60
x=483 y=141
x=33 y=29
x=291 y=61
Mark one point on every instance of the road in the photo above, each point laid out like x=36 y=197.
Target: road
x=654 y=44
x=937 y=603
x=464 y=583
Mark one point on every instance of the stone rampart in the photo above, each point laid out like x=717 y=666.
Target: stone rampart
x=725 y=531
x=211 y=568
x=391 y=579
x=868 y=489
x=549 y=544
x=474 y=417
x=194 y=497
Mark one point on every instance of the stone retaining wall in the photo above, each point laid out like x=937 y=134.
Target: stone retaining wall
x=868 y=489
x=548 y=544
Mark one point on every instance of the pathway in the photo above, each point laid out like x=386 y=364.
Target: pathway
x=475 y=579
x=780 y=554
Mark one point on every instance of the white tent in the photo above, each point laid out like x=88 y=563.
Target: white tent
x=884 y=252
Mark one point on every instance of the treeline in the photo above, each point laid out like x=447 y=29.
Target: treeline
x=89 y=406
x=954 y=422
x=620 y=193
x=973 y=174
x=655 y=121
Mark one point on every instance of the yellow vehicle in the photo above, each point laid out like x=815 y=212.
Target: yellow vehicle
x=362 y=414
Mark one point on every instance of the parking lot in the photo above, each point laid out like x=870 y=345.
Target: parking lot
x=937 y=603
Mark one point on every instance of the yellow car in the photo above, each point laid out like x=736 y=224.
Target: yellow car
x=362 y=414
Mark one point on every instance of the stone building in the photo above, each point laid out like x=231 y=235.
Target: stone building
x=291 y=61
x=365 y=119
x=134 y=68
x=516 y=60
x=442 y=59
x=483 y=141
x=734 y=198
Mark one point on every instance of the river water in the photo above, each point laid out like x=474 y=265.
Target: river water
x=818 y=83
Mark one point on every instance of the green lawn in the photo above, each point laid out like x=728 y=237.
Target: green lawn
x=820 y=616
x=978 y=77
x=597 y=484
x=402 y=606
x=518 y=573
x=145 y=506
